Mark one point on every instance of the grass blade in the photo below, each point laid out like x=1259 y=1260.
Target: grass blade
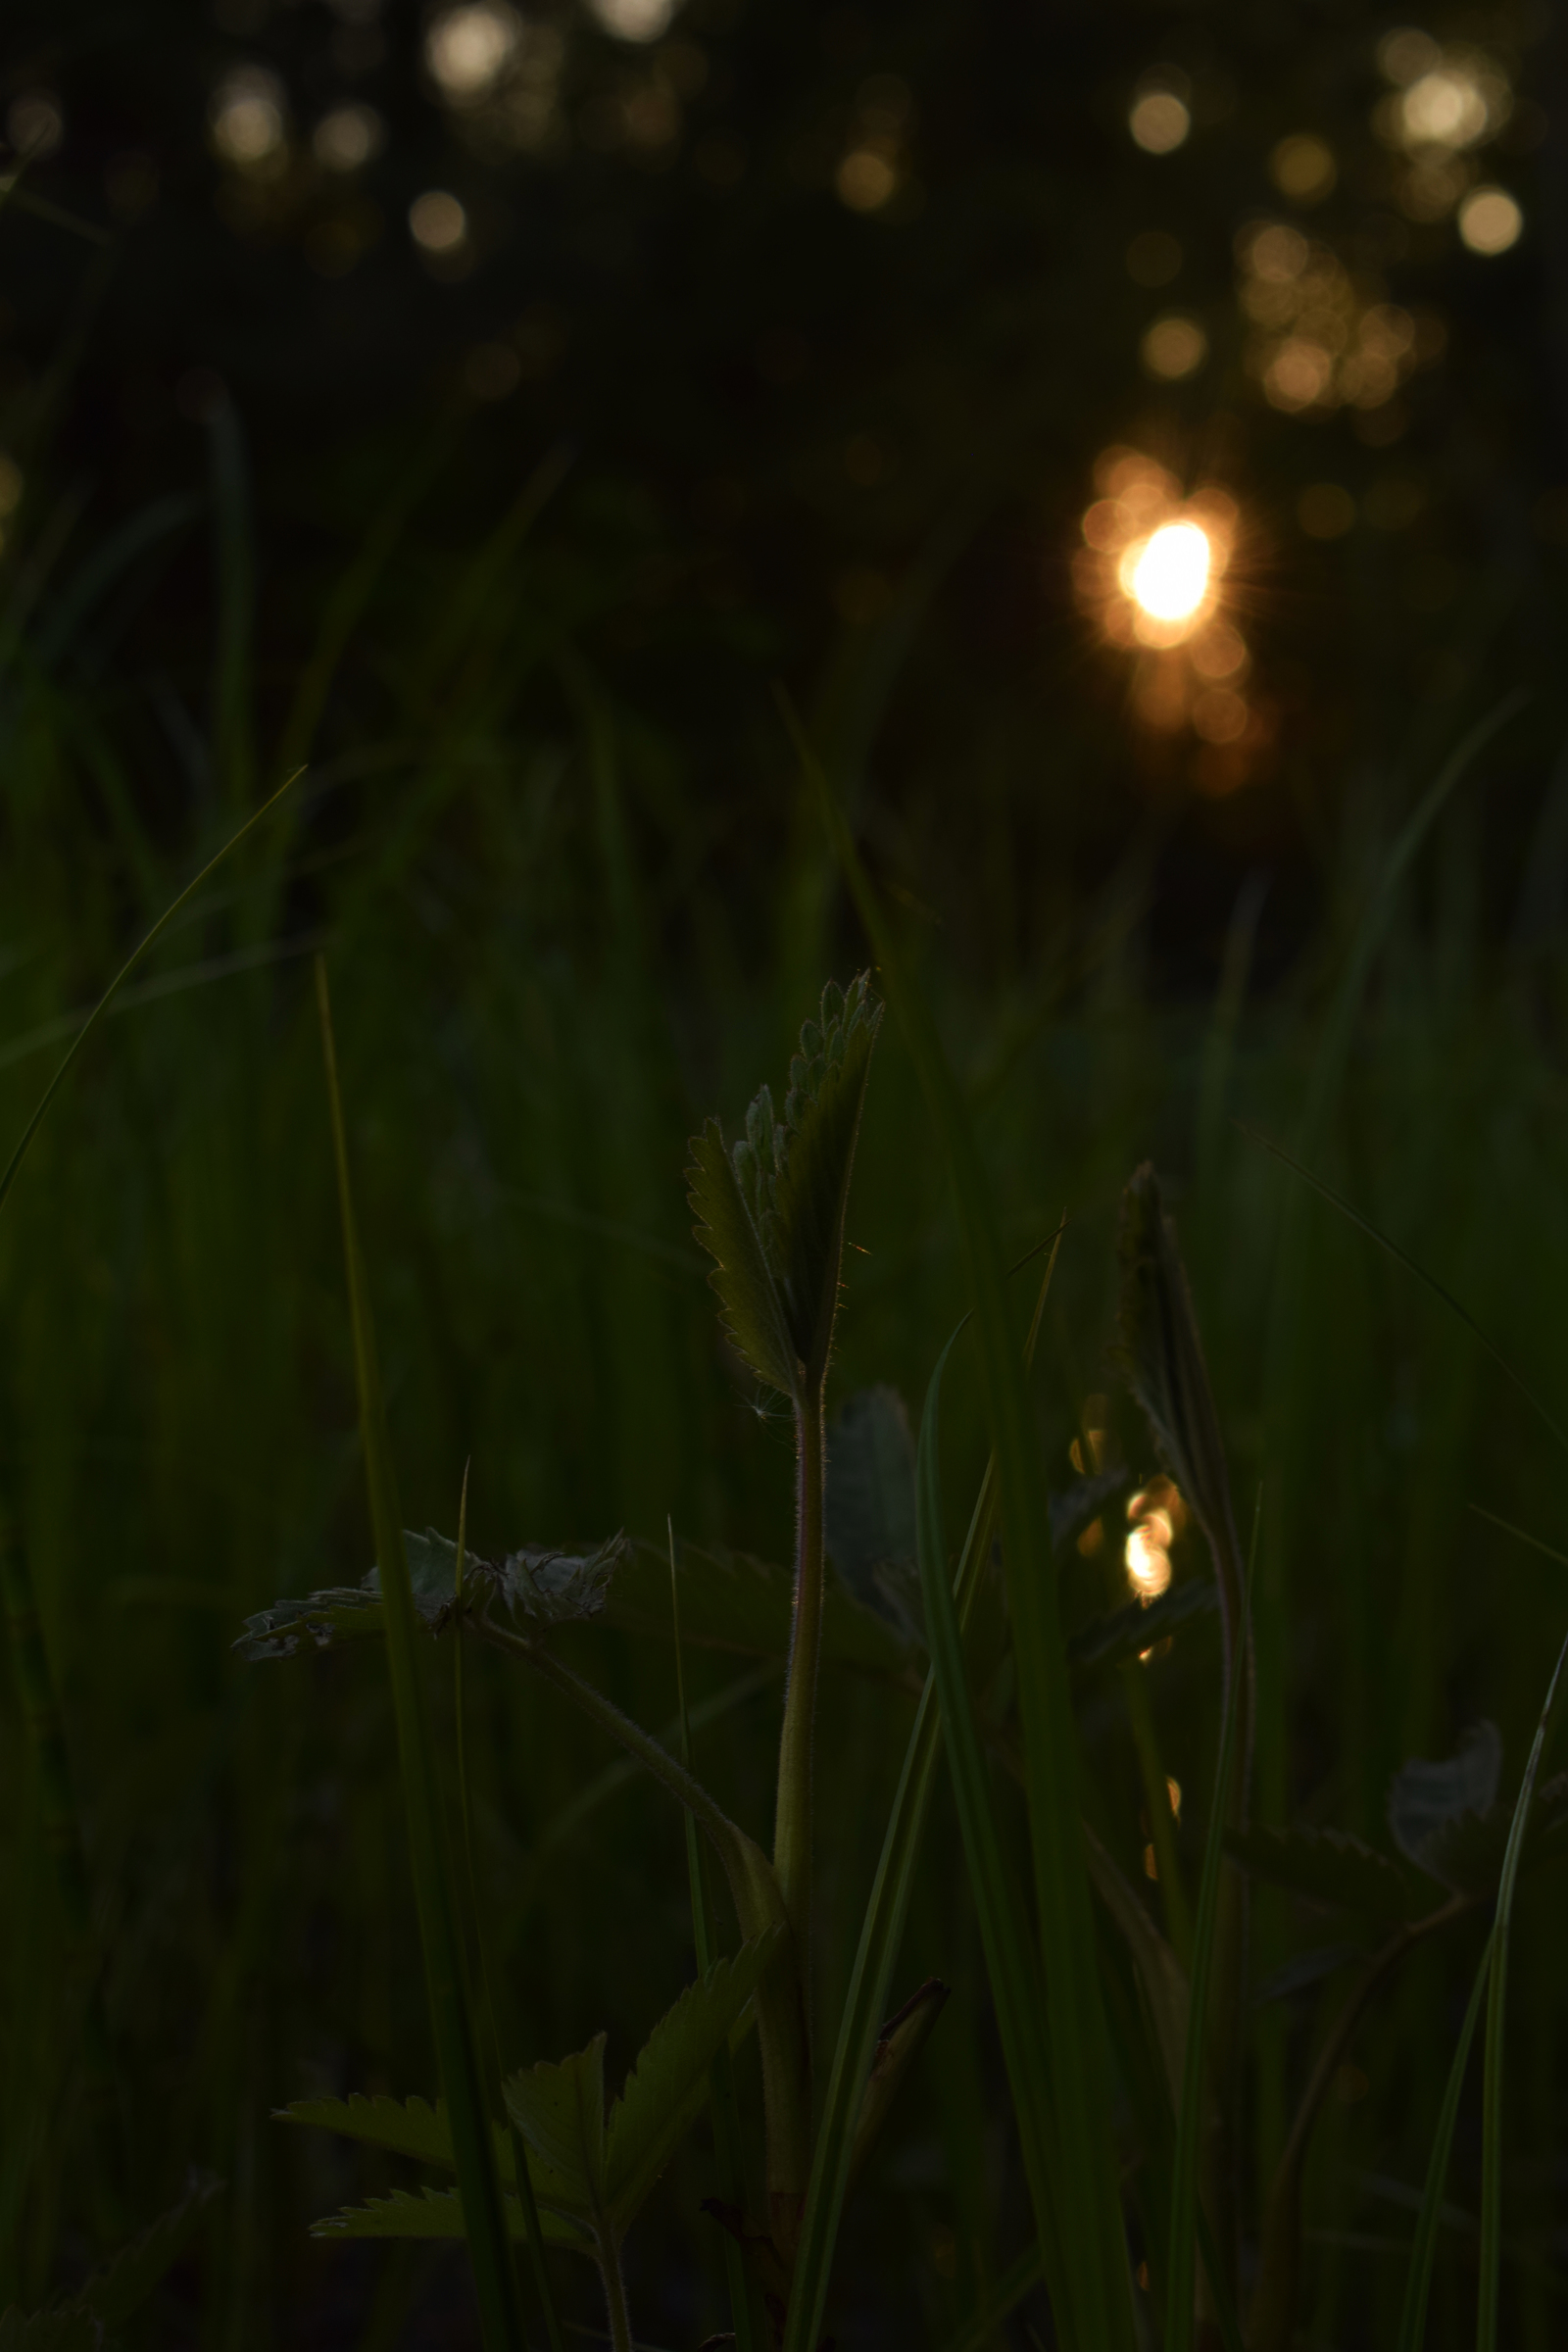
x=881 y=1934
x=1423 y=2253
x=1378 y=914
x=1402 y=1257
x=1010 y=1959
x=1099 y=2309
x=429 y=1849
x=8 y=1179
x=1182 y=2274
x=1492 y=2150
x=62 y=1829
x=487 y=2009
x=728 y=2147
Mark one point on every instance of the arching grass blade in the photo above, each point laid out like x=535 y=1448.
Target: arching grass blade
x=1182 y=2272
x=8 y=1179
x=431 y=1856
x=1418 y=2285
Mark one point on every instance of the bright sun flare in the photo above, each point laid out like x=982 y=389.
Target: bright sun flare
x=1167 y=575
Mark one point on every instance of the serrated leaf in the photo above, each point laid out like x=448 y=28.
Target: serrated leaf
x=751 y=1308
x=413 y=2128
x=1127 y=1633
x=438 y=2213
x=550 y=1588
x=118 y=2291
x=560 y=2109
x=651 y=2115
x=1427 y=1799
x=403 y=2126
x=1329 y=1867
x=822 y=1121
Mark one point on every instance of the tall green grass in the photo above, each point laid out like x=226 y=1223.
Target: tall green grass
x=545 y=973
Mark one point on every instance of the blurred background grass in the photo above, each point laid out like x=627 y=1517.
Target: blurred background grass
x=508 y=536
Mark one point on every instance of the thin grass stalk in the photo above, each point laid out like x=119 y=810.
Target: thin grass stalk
x=1182 y=2269
x=882 y=1932
x=1492 y=2150
x=1099 y=2306
x=1274 y=2305
x=487 y=2012
x=1423 y=2252
x=729 y=2162
x=61 y=1823
x=9 y=1177
x=429 y=1847
x=1010 y=1960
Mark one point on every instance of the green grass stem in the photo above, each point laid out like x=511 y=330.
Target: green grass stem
x=728 y=2145
x=1096 y=2280
x=1428 y=2220
x=1492 y=2145
x=429 y=1846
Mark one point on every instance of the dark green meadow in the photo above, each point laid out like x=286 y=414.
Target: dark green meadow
x=724 y=637
x=539 y=990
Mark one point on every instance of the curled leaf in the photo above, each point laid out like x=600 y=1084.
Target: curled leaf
x=770 y=1212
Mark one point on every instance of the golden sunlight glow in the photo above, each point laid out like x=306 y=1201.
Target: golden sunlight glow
x=1152 y=571
x=1166 y=575
x=1156 y=1516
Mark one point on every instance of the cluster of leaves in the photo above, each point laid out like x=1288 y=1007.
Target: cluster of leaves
x=771 y=1209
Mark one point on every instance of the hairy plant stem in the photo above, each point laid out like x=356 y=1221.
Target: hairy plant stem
x=792 y=1820
x=1274 y=2305
x=607 y=2254
x=759 y=1905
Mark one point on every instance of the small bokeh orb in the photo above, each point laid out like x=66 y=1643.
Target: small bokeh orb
x=437 y=221
x=1173 y=347
x=1302 y=168
x=348 y=137
x=1490 y=220
x=1159 y=122
x=1324 y=511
